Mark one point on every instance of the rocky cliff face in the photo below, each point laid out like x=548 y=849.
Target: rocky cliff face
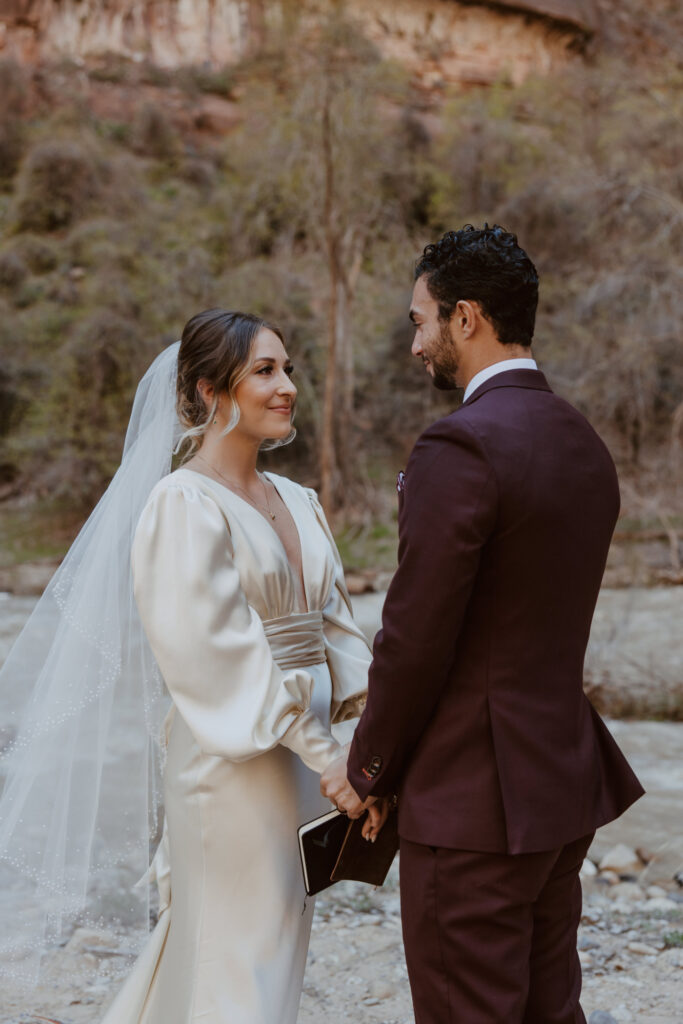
x=439 y=40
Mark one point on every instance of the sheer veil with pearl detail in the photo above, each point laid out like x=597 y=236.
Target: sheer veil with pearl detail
x=83 y=745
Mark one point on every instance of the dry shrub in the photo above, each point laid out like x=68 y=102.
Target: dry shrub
x=59 y=182
x=39 y=255
x=13 y=270
x=13 y=92
x=154 y=135
x=9 y=402
x=98 y=369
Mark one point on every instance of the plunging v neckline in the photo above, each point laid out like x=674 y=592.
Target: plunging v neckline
x=269 y=525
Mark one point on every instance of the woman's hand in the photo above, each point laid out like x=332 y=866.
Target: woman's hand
x=378 y=812
x=336 y=787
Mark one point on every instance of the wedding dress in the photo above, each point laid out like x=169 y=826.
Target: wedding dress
x=254 y=673
x=256 y=681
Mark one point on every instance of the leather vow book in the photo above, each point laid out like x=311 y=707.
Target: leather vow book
x=332 y=848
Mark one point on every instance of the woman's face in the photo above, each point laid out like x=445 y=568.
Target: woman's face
x=266 y=395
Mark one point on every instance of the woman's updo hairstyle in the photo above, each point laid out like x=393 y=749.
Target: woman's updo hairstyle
x=215 y=346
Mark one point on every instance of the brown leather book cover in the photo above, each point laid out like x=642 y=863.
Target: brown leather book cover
x=361 y=861
x=332 y=848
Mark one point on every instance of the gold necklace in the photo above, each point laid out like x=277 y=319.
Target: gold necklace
x=232 y=484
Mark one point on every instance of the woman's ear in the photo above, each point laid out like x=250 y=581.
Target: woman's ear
x=206 y=392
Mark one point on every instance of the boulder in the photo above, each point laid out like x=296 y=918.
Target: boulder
x=627 y=891
x=622 y=860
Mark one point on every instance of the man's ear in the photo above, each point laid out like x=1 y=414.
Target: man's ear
x=465 y=316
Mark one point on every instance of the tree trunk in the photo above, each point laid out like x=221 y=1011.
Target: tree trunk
x=256 y=27
x=328 y=461
x=349 y=273
x=344 y=403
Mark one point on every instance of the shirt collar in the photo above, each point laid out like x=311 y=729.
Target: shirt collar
x=495 y=368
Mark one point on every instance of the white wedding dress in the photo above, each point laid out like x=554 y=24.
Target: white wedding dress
x=255 y=682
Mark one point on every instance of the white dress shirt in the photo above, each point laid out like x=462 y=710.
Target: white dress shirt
x=491 y=371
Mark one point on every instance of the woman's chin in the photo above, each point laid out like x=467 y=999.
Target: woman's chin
x=276 y=434
x=277 y=431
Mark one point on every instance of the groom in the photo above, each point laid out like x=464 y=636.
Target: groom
x=476 y=715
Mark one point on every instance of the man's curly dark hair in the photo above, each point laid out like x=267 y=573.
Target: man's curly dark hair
x=487 y=266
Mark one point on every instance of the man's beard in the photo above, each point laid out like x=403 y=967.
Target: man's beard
x=441 y=381
x=444 y=362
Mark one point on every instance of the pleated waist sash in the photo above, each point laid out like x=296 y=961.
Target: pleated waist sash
x=296 y=640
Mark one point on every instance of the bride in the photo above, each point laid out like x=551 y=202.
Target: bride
x=240 y=598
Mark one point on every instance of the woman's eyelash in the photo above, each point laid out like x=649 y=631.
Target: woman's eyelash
x=289 y=370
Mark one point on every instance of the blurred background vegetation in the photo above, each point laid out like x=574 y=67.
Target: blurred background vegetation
x=309 y=205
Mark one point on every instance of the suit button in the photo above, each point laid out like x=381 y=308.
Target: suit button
x=374 y=768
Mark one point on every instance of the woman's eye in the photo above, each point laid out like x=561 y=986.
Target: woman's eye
x=265 y=369
x=289 y=370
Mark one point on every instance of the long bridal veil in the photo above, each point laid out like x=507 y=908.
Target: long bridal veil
x=82 y=767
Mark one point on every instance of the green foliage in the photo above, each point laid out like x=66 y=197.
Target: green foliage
x=102 y=361
x=112 y=67
x=153 y=134
x=45 y=533
x=40 y=255
x=673 y=940
x=58 y=184
x=13 y=91
x=112 y=234
x=219 y=81
x=13 y=270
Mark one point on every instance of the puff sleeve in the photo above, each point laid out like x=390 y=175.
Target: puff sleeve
x=209 y=642
x=348 y=652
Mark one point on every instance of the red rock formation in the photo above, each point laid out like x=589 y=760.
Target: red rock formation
x=581 y=14
x=469 y=41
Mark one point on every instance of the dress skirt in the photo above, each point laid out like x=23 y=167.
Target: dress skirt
x=230 y=946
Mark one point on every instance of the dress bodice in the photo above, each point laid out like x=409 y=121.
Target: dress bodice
x=218 y=601
x=266 y=576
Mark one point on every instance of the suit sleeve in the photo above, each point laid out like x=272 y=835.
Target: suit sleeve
x=448 y=512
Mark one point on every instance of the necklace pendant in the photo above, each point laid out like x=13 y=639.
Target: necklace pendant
x=272 y=515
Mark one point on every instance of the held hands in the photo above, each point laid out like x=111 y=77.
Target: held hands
x=337 y=788
x=335 y=785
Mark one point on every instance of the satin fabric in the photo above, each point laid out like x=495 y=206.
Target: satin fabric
x=256 y=683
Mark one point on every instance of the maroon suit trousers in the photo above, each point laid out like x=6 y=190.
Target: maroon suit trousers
x=491 y=938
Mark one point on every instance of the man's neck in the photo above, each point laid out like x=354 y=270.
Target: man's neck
x=491 y=353
x=508 y=361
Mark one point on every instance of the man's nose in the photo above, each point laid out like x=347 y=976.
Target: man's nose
x=416 y=347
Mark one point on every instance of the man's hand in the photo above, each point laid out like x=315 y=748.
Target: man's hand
x=337 y=788
x=377 y=816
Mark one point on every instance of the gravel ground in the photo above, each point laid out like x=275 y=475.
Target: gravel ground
x=356 y=969
x=629 y=941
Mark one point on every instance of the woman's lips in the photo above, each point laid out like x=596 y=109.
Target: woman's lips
x=283 y=409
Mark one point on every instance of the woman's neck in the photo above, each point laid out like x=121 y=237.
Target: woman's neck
x=232 y=456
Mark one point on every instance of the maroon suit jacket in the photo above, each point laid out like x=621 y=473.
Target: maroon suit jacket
x=476 y=713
